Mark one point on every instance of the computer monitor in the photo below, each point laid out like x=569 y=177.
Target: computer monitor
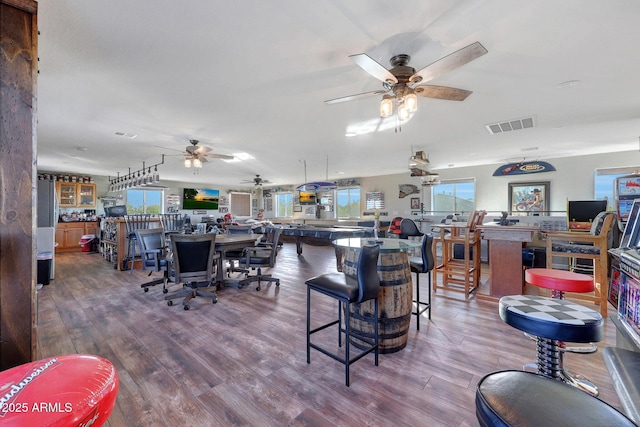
x=630 y=234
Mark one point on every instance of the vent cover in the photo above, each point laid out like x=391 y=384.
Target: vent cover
x=510 y=125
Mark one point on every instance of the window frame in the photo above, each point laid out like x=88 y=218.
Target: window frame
x=276 y=204
x=456 y=209
x=145 y=206
x=336 y=197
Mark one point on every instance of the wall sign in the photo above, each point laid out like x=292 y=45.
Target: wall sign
x=523 y=168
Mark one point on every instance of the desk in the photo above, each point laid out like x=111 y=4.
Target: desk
x=396 y=291
x=505 y=257
x=230 y=242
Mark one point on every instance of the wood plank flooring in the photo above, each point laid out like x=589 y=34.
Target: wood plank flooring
x=242 y=361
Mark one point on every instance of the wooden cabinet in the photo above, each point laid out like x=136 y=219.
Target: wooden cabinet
x=76 y=195
x=69 y=234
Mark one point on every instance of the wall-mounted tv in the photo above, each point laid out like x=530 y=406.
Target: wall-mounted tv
x=115 y=211
x=200 y=198
x=307 y=198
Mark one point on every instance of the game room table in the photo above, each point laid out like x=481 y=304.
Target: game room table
x=319 y=235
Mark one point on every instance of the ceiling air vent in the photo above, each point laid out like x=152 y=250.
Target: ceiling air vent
x=510 y=125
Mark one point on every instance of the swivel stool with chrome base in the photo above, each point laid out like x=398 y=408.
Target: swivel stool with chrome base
x=559 y=282
x=552 y=321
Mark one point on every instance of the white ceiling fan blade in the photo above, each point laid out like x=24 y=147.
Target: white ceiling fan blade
x=442 y=92
x=448 y=63
x=219 y=156
x=202 y=149
x=375 y=69
x=354 y=97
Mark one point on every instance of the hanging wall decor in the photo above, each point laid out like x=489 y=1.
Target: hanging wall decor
x=407 y=189
x=523 y=168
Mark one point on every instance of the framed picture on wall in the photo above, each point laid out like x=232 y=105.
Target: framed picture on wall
x=528 y=198
x=415 y=203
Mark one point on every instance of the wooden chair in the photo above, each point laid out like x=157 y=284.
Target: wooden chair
x=461 y=274
x=594 y=246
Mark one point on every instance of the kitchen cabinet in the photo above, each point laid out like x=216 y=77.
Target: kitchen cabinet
x=76 y=195
x=69 y=234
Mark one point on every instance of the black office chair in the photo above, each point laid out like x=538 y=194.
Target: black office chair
x=348 y=290
x=134 y=222
x=193 y=261
x=153 y=252
x=234 y=256
x=408 y=228
x=423 y=264
x=259 y=257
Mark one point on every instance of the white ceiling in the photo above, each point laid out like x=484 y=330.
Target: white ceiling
x=251 y=76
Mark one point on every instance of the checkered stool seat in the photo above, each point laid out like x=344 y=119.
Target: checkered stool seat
x=552 y=318
x=553 y=321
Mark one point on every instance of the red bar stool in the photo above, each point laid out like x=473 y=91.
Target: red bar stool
x=559 y=282
x=72 y=390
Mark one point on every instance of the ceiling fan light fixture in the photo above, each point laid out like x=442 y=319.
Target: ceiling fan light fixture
x=187 y=163
x=386 y=106
x=403 y=112
x=411 y=101
x=197 y=163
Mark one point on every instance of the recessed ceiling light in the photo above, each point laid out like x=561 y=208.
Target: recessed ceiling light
x=350 y=134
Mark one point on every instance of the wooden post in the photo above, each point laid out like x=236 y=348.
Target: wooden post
x=18 y=70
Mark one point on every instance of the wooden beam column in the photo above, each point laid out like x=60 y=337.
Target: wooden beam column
x=18 y=70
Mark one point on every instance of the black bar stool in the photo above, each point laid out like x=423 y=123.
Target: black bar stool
x=423 y=264
x=348 y=290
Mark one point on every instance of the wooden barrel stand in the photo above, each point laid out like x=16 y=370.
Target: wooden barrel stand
x=395 y=301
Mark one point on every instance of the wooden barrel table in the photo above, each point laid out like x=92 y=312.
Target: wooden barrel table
x=396 y=292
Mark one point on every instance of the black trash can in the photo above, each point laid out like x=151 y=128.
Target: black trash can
x=44 y=267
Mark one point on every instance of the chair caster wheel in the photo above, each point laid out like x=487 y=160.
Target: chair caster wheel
x=146 y=289
x=214 y=301
x=258 y=288
x=164 y=291
x=186 y=307
x=169 y=303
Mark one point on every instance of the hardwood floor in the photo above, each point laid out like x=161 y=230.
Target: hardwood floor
x=242 y=361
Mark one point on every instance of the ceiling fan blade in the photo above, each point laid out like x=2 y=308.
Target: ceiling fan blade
x=202 y=150
x=219 y=156
x=448 y=63
x=354 y=97
x=442 y=92
x=375 y=69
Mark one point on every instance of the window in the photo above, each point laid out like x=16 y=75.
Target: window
x=284 y=205
x=240 y=204
x=604 y=182
x=454 y=196
x=144 y=201
x=348 y=205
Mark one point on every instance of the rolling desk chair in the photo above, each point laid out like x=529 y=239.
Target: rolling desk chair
x=261 y=257
x=153 y=252
x=193 y=263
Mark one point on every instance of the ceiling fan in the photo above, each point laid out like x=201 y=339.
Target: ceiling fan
x=402 y=83
x=256 y=181
x=198 y=154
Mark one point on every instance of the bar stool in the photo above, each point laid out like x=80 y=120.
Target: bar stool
x=516 y=398
x=134 y=222
x=559 y=282
x=423 y=264
x=348 y=290
x=552 y=321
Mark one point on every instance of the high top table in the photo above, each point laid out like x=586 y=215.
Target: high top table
x=396 y=291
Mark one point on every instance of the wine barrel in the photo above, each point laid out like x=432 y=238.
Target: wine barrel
x=394 y=301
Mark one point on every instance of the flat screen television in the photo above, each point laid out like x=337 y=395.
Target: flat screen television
x=200 y=198
x=115 y=211
x=307 y=198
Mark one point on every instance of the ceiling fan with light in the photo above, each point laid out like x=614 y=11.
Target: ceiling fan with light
x=402 y=84
x=196 y=155
x=256 y=181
